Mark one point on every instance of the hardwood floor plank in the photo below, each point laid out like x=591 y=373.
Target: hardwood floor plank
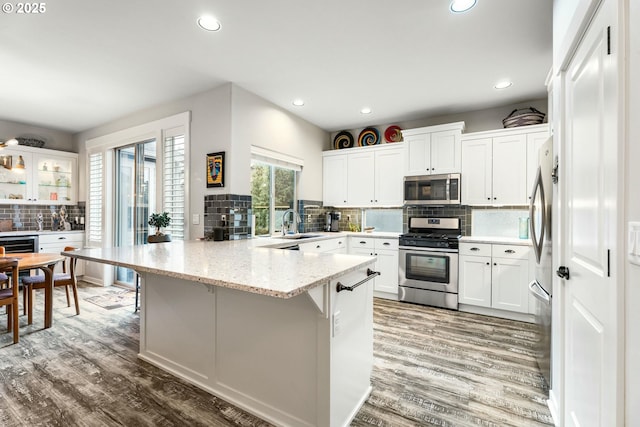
x=431 y=367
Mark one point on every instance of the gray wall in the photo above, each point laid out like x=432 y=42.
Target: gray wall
x=54 y=139
x=230 y=119
x=475 y=121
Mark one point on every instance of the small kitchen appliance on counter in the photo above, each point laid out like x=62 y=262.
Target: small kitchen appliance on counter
x=428 y=265
x=332 y=221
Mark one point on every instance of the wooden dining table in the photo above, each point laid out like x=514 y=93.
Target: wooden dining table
x=45 y=262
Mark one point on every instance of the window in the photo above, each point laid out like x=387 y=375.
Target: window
x=173 y=197
x=273 y=191
x=383 y=219
x=94 y=211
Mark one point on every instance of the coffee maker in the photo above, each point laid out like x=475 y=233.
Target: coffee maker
x=332 y=220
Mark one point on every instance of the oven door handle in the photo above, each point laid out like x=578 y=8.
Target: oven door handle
x=423 y=249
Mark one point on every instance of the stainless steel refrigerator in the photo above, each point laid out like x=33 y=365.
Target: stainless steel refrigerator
x=540 y=233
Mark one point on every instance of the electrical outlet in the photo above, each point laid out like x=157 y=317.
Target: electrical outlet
x=348 y=218
x=223 y=218
x=337 y=327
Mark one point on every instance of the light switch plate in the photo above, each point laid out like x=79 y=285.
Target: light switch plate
x=195 y=219
x=633 y=243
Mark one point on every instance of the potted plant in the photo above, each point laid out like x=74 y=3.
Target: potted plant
x=159 y=221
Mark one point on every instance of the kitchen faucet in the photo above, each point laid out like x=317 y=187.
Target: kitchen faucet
x=286 y=225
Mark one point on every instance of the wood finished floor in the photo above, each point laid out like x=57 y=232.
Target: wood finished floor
x=432 y=367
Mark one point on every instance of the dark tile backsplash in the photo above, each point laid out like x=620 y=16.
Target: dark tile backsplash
x=24 y=217
x=236 y=209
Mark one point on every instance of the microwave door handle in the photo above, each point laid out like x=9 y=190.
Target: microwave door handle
x=536 y=239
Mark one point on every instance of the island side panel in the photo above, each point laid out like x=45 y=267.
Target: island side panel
x=276 y=358
x=176 y=326
x=351 y=348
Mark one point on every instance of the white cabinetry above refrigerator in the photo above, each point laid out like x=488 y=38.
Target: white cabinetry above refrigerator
x=498 y=167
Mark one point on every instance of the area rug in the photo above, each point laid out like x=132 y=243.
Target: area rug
x=114 y=300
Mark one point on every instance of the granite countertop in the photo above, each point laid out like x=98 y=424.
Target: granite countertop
x=496 y=240
x=252 y=265
x=35 y=232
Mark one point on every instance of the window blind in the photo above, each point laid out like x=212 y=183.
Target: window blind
x=94 y=220
x=174 y=184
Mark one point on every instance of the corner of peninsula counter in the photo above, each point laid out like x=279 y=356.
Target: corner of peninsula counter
x=262 y=327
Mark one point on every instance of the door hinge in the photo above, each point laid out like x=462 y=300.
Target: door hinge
x=608 y=262
x=554 y=171
x=609 y=40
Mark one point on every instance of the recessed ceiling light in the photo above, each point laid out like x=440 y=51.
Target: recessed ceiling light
x=298 y=102
x=209 y=23
x=459 y=6
x=366 y=110
x=502 y=85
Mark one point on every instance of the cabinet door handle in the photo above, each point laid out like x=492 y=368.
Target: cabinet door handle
x=495 y=263
x=363 y=242
x=488 y=198
x=488 y=263
x=474 y=249
x=62 y=238
x=509 y=251
x=317 y=246
x=386 y=243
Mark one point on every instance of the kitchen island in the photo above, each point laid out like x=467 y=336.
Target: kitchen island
x=264 y=328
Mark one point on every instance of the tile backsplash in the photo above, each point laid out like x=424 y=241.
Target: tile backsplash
x=24 y=217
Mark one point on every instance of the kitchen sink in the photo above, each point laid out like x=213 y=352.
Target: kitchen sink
x=299 y=236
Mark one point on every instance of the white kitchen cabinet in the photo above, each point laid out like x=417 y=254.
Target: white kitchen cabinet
x=388 y=177
x=475 y=280
x=496 y=166
x=363 y=176
x=386 y=253
x=509 y=170
x=56 y=242
x=337 y=245
x=477 y=172
x=509 y=284
x=48 y=176
x=494 y=276
x=334 y=179
x=433 y=149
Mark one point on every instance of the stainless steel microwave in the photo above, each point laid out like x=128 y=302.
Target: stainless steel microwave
x=432 y=189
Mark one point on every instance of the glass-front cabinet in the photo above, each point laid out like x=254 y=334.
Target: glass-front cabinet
x=32 y=176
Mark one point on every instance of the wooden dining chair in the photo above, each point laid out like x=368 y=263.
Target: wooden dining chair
x=9 y=294
x=67 y=279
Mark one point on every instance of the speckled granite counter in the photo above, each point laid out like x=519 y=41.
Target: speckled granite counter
x=254 y=265
x=208 y=315
x=496 y=240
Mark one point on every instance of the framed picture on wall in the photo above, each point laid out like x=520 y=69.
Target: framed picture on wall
x=215 y=169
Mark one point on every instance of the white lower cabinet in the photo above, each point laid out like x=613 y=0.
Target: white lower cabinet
x=337 y=245
x=56 y=242
x=386 y=252
x=494 y=276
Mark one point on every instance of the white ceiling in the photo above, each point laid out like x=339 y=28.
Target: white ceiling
x=84 y=63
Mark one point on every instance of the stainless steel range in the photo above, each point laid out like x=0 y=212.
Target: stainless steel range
x=428 y=271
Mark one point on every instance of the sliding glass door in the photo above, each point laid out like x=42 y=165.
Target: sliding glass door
x=135 y=198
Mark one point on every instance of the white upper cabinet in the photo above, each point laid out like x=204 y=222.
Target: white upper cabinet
x=47 y=176
x=334 y=179
x=360 y=178
x=388 y=177
x=363 y=176
x=433 y=150
x=497 y=165
x=510 y=170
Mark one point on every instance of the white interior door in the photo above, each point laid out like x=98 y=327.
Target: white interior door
x=591 y=346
